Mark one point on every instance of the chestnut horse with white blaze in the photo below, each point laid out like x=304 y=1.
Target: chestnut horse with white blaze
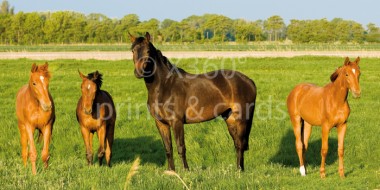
x=310 y=105
x=176 y=97
x=96 y=113
x=35 y=110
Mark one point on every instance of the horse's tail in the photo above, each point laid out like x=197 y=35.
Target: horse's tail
x=250 y=114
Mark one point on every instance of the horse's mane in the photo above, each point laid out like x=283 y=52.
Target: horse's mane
x=167 y=63
x=96 y=77
x=155 y=53
x=335 y=75
x=41 y=69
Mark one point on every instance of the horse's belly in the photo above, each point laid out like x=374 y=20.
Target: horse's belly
x=312 y=118
x=196 y=116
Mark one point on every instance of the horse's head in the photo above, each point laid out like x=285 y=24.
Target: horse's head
x=39 y=85
x=351 y=72
x=143 y=55
x=90 y=86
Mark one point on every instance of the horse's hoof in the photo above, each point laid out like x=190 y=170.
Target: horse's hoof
x=323 y=175
x=303 y=171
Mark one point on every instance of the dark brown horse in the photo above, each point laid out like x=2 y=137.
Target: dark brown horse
x=176 y=97
x=35 y=110
x=326 y=106
x=96 y=113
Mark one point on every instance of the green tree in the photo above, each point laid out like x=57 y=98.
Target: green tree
x=6 y=8
x=169 y=30
x=151 y=26
x=17 y=30
x=127 y=24
x=274 y=27
x=33 y=29
x=373 y=33
x=65 y=27
x=5 y=22
x=219 y=25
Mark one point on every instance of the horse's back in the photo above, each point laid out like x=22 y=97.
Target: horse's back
x=240 y=84
x=306 y=101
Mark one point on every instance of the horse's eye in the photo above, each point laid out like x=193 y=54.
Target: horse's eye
x=346 y=74
x=34 y=84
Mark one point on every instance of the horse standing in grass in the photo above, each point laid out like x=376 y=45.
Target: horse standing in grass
x=96 y=113
x=35 y=110
x=326 y=106
x=176 y=97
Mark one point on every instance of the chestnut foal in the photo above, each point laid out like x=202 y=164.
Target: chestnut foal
x=96 y=113
x=35 y=110
x=310 y=105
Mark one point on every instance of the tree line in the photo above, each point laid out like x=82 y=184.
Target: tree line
x=63 y=27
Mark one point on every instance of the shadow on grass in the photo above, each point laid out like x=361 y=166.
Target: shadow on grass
x=147 y=148
x=287 y=155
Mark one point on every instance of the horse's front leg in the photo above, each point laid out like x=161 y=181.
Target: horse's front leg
x=324 y=149
x=341 y=133
x=102 y=137
x=32 y=148
x=88 y=143
x=167 y=140
x=180 y=141
x=47 y=132
x=24 y=143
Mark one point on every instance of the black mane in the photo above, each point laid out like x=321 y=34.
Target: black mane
x=96 y=77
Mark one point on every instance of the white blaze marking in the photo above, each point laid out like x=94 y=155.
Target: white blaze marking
x=42 y=78
x=302 y=171
x=353 y=70
x=88 y=87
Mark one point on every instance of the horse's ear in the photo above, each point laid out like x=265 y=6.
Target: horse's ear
x=357 y=60
x=147 y=36
x=34 y=68
x=81 y=75
x=96 y=74
x=44 y=67
x=347 y=61
x=132 y=38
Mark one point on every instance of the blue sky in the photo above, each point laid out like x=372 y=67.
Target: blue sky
x=362 y=11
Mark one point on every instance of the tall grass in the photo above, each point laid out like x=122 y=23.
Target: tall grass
x=271 y=162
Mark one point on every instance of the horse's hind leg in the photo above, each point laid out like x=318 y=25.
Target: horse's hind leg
x=296 y=121
x=306 y=131
x=109 y=142
x=237 y=128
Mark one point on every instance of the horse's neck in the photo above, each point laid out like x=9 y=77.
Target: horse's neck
x=31 y=95
x=160 y=76
x=339 y=90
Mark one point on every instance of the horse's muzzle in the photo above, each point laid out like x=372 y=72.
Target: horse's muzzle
x=356 y=94
x=46 y=107
x=139 y=74
x=88 y=112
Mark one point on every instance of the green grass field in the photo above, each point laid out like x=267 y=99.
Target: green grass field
x=259 y=46
x=271 y=162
